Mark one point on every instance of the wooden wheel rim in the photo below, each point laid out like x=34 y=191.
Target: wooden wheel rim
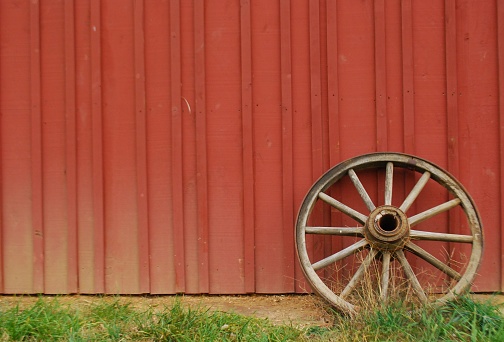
x=385 y=160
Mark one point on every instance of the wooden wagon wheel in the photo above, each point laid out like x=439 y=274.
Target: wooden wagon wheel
x=386 y=234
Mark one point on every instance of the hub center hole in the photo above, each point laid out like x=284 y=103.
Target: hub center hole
x=388 y=222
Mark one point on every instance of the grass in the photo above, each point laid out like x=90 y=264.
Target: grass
x=116 y=320
x=461 y=320
x=104 y=320
x=43 y=321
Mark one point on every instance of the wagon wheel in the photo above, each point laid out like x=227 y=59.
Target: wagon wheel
x=384 y=234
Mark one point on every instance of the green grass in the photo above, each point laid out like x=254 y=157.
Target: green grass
x=44 y=320
x=112 y=319
x=460 y=320
x=105 y=320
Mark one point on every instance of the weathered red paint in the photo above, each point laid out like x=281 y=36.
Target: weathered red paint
x=165 y=146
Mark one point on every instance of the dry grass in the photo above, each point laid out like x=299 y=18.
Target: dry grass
x=367 y=292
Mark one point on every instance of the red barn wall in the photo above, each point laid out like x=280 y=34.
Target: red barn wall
x=164 y=146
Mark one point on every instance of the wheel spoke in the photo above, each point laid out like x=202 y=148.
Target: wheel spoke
x=360 y=189
x=415 y=192
x=339 y=231
x=361 y=218
x=422 y=253
x=385 y=275
x=389 y=175
x=356 y=247
x=411 y=276
x=432 y=236
x=416 y=219
x=358 y=274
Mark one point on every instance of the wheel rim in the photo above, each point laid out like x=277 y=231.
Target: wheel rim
x=383 y=232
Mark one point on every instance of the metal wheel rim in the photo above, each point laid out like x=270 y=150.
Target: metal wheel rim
x=381 y=160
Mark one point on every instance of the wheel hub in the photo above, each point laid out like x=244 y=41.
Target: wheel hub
x=387 y=228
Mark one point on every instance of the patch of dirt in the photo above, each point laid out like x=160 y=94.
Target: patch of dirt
x=299 y=310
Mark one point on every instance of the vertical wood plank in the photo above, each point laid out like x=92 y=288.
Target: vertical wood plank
x=332 y=82
x=268 y=145
x=201 y=144
x=247 y=144
x=452 y=114
x=97 y=146
x=16 y=108
x=71 y=146
x=301 y=118
x=158 y=103
x=477 y=113
x=36 y=150
x=141 y=146
x=189 y=147
x=187 y=53
x=408 y=83
x=357 y=77
x=333 y=107
x=326 y=152
x=408 y=89
x=2 y=247
x=452 y=120
x=451 y=86
x=54 y=152
x=394 y=104
x=287 y=152
x=225 y=146
x=380 y=76
x=408 y=77
x=84 y=148
x=316 y=115
x=500 y=58
x=324 y=92
x=315 y=90
x=430 y=79
x=119 y=146
x=177 y=172
x=430 y=104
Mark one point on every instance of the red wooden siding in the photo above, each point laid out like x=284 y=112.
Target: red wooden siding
x=164 y=146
